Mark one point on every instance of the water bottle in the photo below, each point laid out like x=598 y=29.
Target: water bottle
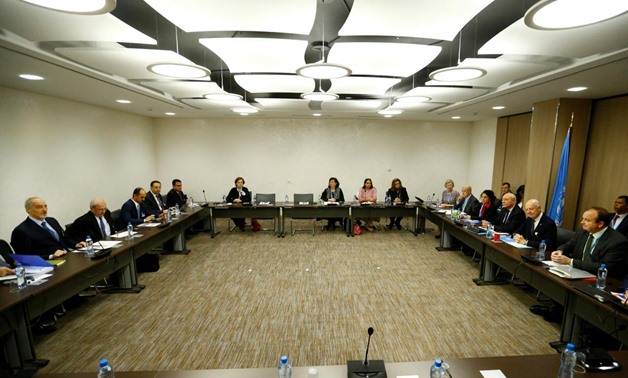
x=567 y=362
x=168 y=216
x=429 y=201
x=224 y=199
x=601 y=277
x=177 y=210
x=89 y=246
x=437 y=370
x=287 y=200
x=105 y=370
x=541 y=255
x=438 y=203
x=489 y=231
x=20 y=275
x=129 y=230
x=284 y=368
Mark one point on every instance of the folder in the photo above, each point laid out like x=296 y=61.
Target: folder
x=31 y=260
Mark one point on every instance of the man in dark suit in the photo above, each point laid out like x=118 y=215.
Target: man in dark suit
x=595 y=243
x=134 y=211
x=175 y=195
x=537 y=227
x=510 y=218
x=96 y=223
x=154 y=202
x=618 y=219
x=41 y=235
x=467 y=202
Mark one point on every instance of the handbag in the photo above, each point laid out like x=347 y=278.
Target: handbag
x=357 y=230
x=255 y=225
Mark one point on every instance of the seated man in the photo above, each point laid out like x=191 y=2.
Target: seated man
x=96 y=223
x=467 y=203
x=154 y=202
x=175 y=195
x=510 y=218
x=133 y=210
x=41 y=235
x=619 y=222
x=536 y=228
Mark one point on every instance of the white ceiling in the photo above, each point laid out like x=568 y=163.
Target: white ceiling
x=253 y=49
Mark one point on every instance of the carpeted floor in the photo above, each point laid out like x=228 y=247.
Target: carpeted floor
x=239 y=301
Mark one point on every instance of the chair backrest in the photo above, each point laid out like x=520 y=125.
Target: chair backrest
x=301 y=198
x=265 y=197
x=115 y=217
x=563 y=235
x=5 y=247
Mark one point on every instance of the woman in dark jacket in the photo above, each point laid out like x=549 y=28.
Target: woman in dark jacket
x=239 y=195
x=488 y=210
x=333 y=194
x=397 y=194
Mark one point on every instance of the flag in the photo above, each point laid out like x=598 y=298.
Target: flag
x=558 y=199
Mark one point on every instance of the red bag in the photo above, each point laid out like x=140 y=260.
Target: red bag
x=357 y=230
x=255 y=225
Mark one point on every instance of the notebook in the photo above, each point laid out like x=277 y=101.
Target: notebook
x=569 y=272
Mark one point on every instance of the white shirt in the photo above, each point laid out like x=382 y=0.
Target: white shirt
x=617 y=222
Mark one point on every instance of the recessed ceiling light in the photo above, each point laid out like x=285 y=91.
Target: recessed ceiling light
x=245 y=109
x=244 y=114
x=577 y=89
x=456 y=117
x=319 y=96
x=223 y=96
x=388 y=116
x=183 y=71
x=123 y=101
x=412 y=99
x=567 y=14
x=77 y=6
x=457 y=74
x=390 y=112
x=170 y=113
x=498 y=107
x=317 y=114
x=31 y=77
x=322 y=70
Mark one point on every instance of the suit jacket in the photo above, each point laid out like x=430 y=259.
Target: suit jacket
x=473 y=205
x=338 y=195
x=545 y=230
x=128 y=213
x=611 y=249
x=151 y=205
x=516 y=218
x=87 y=224
x=29 y=238
x=623 y=226
x=233 y=194
x=173 y=198
x=490 y=214
x=402 y=194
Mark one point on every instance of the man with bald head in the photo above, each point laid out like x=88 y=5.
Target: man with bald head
x=133 y=210
x=96 y=223
x=510 y=218
x=467 y=202
x=40 y=234
x=537 y=227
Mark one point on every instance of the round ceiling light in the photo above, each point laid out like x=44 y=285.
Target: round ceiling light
x=182 y=71
x=567 y=14
x=320 y=96
x=457 y=74
x=323 y=71
x=412 y=99
x=390 y=112
x=223 y=96
x=76 y=6
x=244 y=110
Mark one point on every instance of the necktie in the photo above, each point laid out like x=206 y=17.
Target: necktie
x=506 y=217
x=160 y=202
x=102 y=228
x=52 y=232
x=615 y=222
x=139 y=214
x=587 y=248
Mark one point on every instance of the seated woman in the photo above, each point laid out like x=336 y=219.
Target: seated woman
x=368 y=193
x=333 y=193
x=488 y=210
x=239 y=195
x=448 y=199
x=397 y=194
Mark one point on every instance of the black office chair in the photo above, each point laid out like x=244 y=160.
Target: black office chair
x=115 y=217
x=303 y=200
x=267 y=199
x=6 y=248
x=563 y=235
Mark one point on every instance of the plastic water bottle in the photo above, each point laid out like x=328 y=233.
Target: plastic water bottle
x=320 y=200
x=489 y=231
x=224 y=199
x=437 y=370
x=429 y=201
x=287 y=200
x=105 y=370
x=284 y=369
x=254 y=199
x=541 y=255
x=601 y=277
x=438 y=203
x=129 y=230
x=90 y=246
x=567 y=362
x=177 y=210
x=20 y=274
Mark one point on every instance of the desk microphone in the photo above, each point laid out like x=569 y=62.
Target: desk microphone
x=368 y=344
x=204 y=196
x=366 y=368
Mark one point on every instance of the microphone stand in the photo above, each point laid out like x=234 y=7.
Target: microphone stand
x=365 y=368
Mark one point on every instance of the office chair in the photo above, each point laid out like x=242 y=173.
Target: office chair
x=563 y=235
x=115 y=217
x=267 y=198
x=6 y=248
x=303 y=200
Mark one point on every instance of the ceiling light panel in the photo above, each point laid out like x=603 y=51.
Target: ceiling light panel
x=284 y=104
x=498 y=72
x=275 y=83
x=571 y=43
x=270 y=55
x=182 y=88
x=276 y=16
x=417 y=107
x=39 y=24
x=351 y=105
x=447 y=94
x=127 y=63
x=206 y=104
x=411 y=18
x=362 y=85
x=375 y=58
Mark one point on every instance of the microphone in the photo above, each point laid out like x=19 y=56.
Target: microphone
x=204 y=196
x=366 y=368
x=368 y=344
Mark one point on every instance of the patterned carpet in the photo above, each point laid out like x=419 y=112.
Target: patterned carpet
x=242 y=300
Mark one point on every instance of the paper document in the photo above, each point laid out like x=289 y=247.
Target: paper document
x=149 y=225
x=569 y=272
x=492 y=374
x=122 y=234
x=103 y=244
x=510 y=241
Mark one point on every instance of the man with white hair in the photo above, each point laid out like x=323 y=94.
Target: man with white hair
x=510 y=218
x=537 y=227
x=96 y=223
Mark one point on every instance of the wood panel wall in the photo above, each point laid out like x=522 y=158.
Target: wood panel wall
x=511 y=151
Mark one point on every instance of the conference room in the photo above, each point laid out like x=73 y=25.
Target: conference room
x=68 y=139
